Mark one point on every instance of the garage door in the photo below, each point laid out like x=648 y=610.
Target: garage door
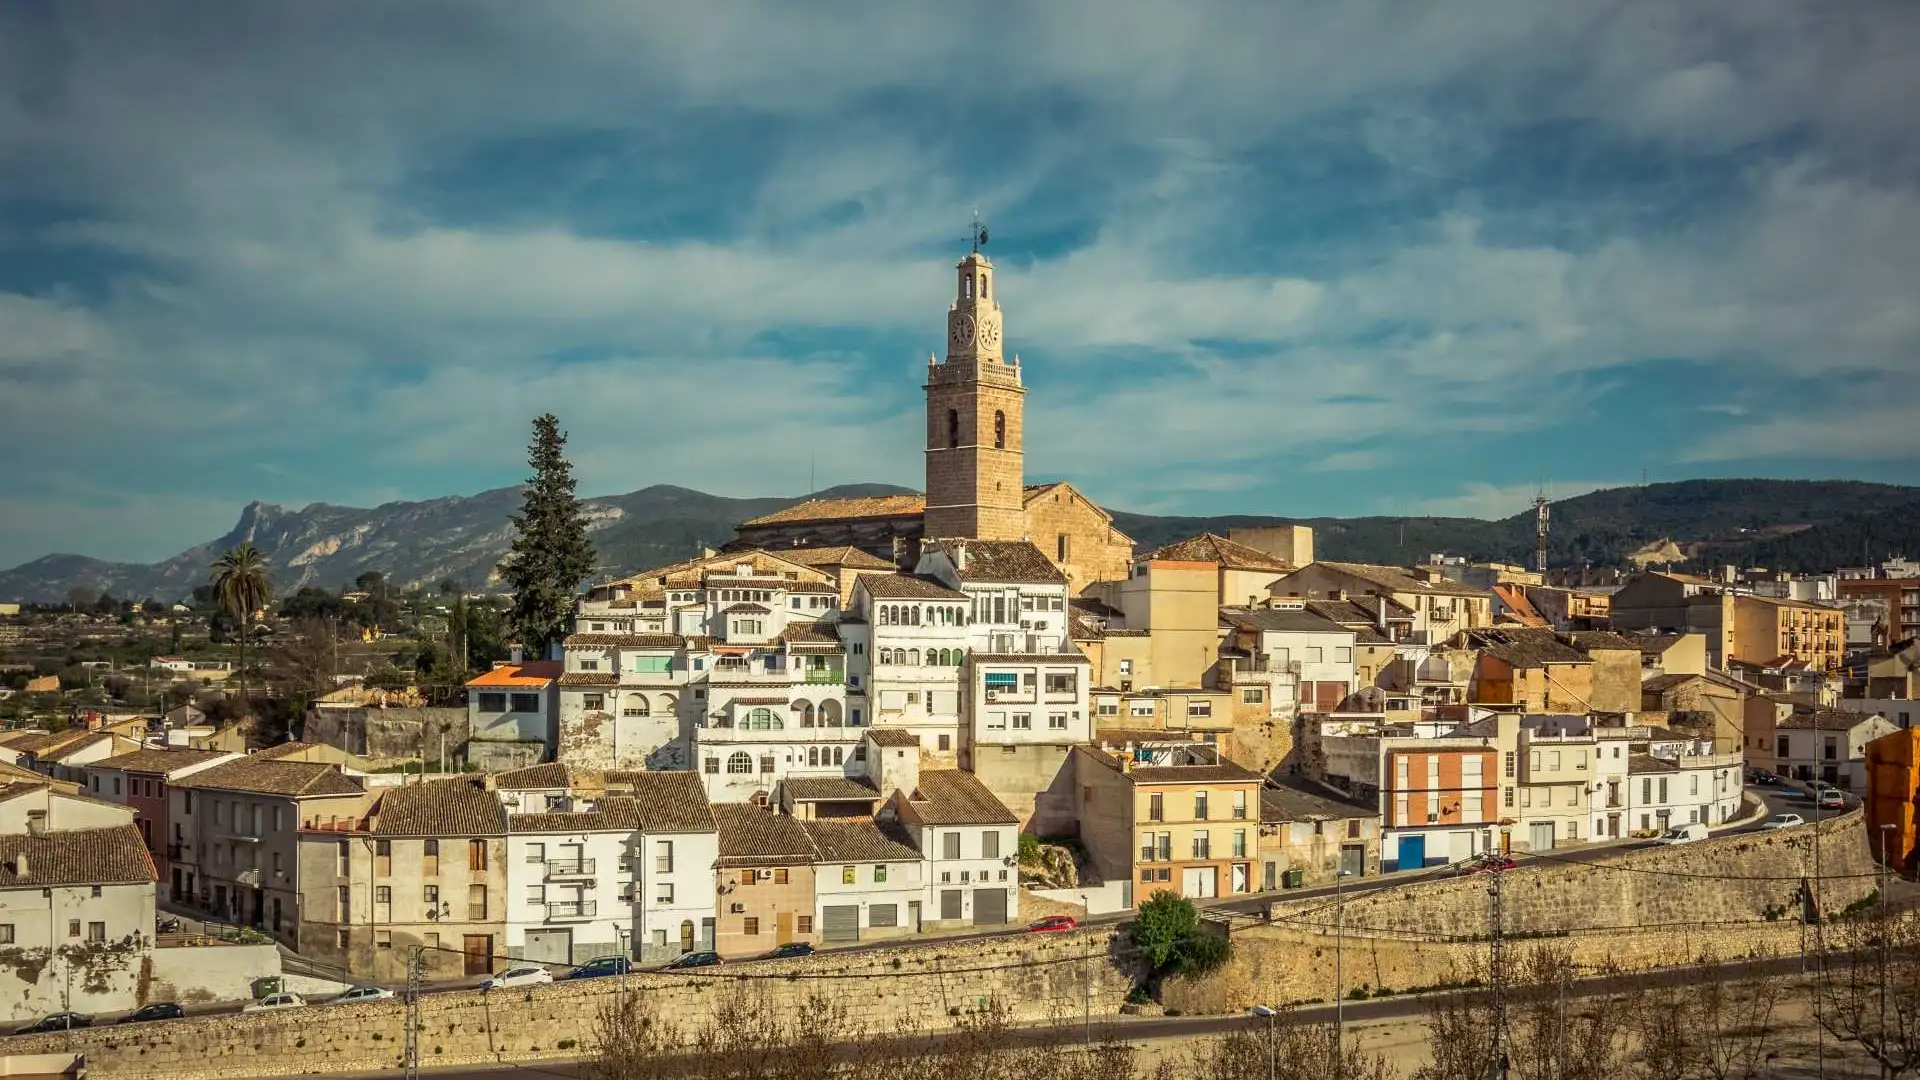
x=1540 y=835
x=549 y=946
x=989 y=907
x=951 y=902
x=840 y=922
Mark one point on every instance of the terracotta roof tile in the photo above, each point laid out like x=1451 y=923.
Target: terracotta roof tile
x=669 y=802
x=590 y=678
x=625 y=641
x=157 y=761
x=953 y=797
x=292 y=779
x=1014 y=561
x=1396 y=579
x=859 y=840
x=529 y=673
x=1823 y=719
x=751 y=836
x=887 y=736
x=810 y=634
x=906 y=587
x=461 y=806
x=113 y=856
x=91 y=740
x=846 y=556
x=827 y=789
x=1295 y=801
x=1282 y=620
x=1209 y=548
x=1589 y=640
x=551 y=776
x=1075 y=657
x=1525 y=647
x=749 y=609
x=1225 y=772
x=876 y=506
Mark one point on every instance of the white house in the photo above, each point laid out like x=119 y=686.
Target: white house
x=912 y=643
x=1303 y=659
x=517 y=701
x=1829 y=745
x=82 y=901
x=970 y=842
x=609 y=864
x=1669 y=791
x=570 y=884
x=869 y=880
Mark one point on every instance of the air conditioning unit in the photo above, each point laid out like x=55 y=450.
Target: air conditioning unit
x=763 y=875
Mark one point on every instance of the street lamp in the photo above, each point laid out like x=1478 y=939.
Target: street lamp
x=1271 y=1016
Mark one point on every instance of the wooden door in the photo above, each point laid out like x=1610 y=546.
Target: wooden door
x=783 y=928
x=478 y=949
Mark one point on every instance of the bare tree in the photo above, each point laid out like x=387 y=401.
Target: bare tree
x=1285 y=1049
x=1868 y=989
x=1552 y=1033
x=1712 y=1028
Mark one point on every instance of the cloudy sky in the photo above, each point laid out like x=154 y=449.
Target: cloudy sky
x=1278 y=257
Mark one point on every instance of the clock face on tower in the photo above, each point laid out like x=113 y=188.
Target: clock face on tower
x=990 y=333
x=962 y=331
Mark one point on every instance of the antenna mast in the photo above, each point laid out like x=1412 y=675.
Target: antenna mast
x=979 y=234
x=1540 y=530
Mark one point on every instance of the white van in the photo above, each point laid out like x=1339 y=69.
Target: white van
x=1684 y=834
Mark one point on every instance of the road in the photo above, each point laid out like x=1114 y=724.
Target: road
x=1140 y=1029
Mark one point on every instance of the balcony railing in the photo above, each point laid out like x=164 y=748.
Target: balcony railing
x=826 y=677
x=173 y=849
x=572 y=909
x=570 y=868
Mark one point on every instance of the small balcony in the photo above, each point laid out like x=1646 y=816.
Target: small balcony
x=174 y=849
x=569 y=868
x=825 y=676
x=567 y=910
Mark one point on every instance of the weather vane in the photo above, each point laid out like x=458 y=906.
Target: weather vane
x=979 y=236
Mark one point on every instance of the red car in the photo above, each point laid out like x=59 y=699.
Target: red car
x=1053 y=924
x=1489 y=864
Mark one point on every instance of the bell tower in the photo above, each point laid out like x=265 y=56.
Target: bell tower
x=974 y=418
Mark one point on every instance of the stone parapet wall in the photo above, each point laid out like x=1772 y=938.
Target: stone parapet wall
x=927 y=987
x=1732 y=879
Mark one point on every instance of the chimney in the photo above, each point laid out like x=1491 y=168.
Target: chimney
x=707 y=553
x=515 y=653
x=20 y=865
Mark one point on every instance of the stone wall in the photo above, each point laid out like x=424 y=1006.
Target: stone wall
x=924 y=987
x=389 y=736
x=1732 y=879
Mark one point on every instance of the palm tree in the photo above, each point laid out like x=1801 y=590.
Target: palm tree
x=240 y=585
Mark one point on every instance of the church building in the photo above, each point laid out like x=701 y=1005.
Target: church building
x=975 y=467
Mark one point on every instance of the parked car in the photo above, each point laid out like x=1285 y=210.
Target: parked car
x=1053 y=924
x=1487 y=864
x=601 y=966
x=1761 y=776
x=361 y=993
x=1684 y=834
x=276 y=1001
x=60 y=1021
x=523 y=975
x=159 y=1010
x=1832 y=799
x=1784 y=821
x=697 y=959
x=791 y=949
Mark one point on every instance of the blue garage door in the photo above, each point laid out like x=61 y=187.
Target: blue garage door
x=1413 y=852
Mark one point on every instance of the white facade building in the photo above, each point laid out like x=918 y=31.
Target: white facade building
x=869 y=881
x=970 y=842
x=1287 y=647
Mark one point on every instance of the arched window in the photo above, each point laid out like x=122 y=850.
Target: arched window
x=913 y=657
x=915 y=613
x=839 y=755
x=761 y=719
x=813 y=755
x=983 y=286
x=953 y=427
x=999 y=430
x=829 y=713
x=686 y=936
x=740 y=763
x=637 y=705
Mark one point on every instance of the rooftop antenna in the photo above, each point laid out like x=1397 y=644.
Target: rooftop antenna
x=1540 y=529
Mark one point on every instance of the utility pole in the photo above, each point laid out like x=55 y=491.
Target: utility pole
x=1497 y=972
x=1339 y=977
x=416 y=967
x=1086 y=976
x=1886 y=857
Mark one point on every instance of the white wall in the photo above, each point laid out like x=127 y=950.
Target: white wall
x=905 y=885
x=42 y=922
x=691 y=879
x=190 y=974
x=972 y=870
x=597 y=935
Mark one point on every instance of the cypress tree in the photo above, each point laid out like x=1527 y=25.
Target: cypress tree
x=551 y=556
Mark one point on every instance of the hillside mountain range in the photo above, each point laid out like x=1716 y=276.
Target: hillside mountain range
x=1786 y=524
